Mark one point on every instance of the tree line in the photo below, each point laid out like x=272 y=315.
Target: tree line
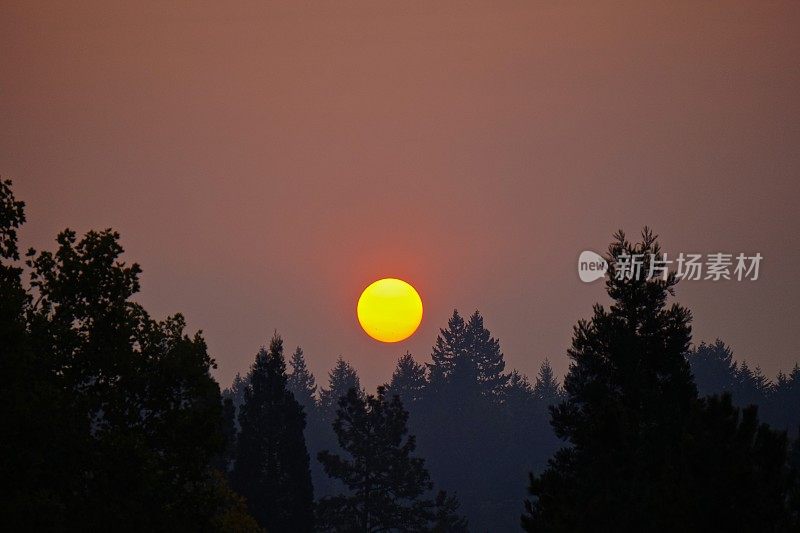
x=462 y=408
x=113 y=420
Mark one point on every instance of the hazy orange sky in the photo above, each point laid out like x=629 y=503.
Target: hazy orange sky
x=266 y=161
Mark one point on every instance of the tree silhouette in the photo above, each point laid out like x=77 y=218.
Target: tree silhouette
x=236 y=391
x=485 y=351
x=42 y=433
x=450 y=360
x=341 y=379
x=638 y=435
x=713 y=368
x=546 y=389
x=272 y=463
x=386 y=484
x=408 y=380
x=466 y=358
x=518 y=389
x=784 y=403
x=124 y=419
x=301 y=382
x=112 y=419
x=445 y=517
x=468 y=413
x=716 y=372
x=736 y=472
x=750 y=387
x=144 y=386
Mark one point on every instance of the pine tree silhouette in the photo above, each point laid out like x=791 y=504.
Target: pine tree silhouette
x=408 y=380
x=272 y=464
x=546 y=389
x=642 y=446
x=485 y=351
x=713 y=368
x=784 y=403
x=450 y=353
x=341 y=379
x=716 y=371
x=460 y=421
x=750 y=387
x=236 y=391
x=467 y=359
x=386 y=483
x=518 y=386
x=301 y=382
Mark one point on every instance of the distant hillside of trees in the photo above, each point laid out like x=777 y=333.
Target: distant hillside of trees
x=113 y=420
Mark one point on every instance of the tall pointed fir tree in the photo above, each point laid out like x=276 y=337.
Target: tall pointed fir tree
x=519 y=393
x=459 y=420
x=451 y=366
x=485 y=351
x=408 y=380
x=301 y=382
x=341 y=379
x=386 y=485
x=466 y=358
x=644 y=453
x=546 y=388
x=272 y=464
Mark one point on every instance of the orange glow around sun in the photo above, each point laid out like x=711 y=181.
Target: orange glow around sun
x=389 y=310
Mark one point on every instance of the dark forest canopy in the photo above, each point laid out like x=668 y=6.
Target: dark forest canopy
x=113 y=420
x=643 y=450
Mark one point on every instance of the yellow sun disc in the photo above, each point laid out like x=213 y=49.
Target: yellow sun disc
x=389 y=310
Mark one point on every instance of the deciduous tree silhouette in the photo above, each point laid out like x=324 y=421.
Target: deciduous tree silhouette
x=272 y=463
x=124 y=419
x=43 y=437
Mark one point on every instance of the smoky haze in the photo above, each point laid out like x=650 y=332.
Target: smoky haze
x=265 y=162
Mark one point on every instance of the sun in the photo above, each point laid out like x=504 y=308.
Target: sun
x=389 y=310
